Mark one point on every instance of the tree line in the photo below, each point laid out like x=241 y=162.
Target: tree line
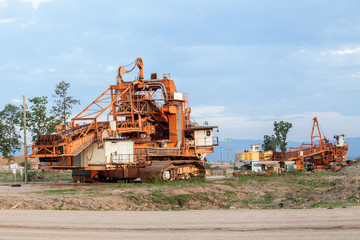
x=40 y=118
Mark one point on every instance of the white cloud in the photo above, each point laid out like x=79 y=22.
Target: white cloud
x=343 y=52
x=107 y=68
x=267 y=117
x=35 y=3
x=37 y=70
x=29 y=23
x=356 y=75
x=205 y=111
x=41 y=70
x=243 y=127
x=15 y=100
x=78 y=50
x=7 y=20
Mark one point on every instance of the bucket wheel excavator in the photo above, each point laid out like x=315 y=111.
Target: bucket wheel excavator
x=319 y=154
x=135 y=129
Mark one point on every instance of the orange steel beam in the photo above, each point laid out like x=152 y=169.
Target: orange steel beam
x=131 y=106
x=140 y=64
x=99 y=112
x=77 y=116
x=315 y=125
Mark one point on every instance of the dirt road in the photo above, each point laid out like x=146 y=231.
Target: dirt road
x=340 y=223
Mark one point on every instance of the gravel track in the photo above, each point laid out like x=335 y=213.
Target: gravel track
x=339 y=223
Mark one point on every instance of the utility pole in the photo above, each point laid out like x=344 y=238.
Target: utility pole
x=25 y=148
x=228 y=139
x=221 y=154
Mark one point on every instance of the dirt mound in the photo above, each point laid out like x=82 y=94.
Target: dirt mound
x=298 y=190
x=353 y=168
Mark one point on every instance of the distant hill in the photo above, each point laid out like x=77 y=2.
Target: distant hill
x=354 y=147
x=238 y=144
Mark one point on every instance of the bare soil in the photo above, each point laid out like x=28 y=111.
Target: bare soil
x=340 y=223
x=297 y=190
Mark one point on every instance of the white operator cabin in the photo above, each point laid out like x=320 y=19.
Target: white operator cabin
x=204 y=136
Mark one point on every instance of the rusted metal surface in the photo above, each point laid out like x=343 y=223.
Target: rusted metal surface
x=151 y=113
x=178 y=169
x=320 y=154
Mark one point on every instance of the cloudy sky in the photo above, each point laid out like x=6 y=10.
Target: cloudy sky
x=244 y=63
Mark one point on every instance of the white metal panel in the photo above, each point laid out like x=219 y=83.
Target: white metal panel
x=199 y=137
x=340 y=141
x=203 y=137
x=178 y=96
x=113 y=125
x=255 y=166
x=208 y=137
x=119 y=151
x=93 y=155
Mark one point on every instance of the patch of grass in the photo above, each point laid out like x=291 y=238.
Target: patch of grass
x=132 y=197
x=35 y=175
x=228 y=182
x=9 y=177
x=309 y=183
x=228 y=206
x=71 y=191
x=230 y=193
x=327 y=184
x=194 y=182
x=266 y=199
x=322 y=204
x=246 y=202
x=183 y=199
x=354 y=197
x=59 y=207
x=159 y=197
x=295 y=199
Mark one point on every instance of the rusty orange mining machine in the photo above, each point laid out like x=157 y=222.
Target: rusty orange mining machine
x=319 y=154
x=147 y=133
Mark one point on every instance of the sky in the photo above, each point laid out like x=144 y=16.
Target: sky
x=244 y=63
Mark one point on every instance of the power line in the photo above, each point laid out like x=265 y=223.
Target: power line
x=228 y=148
x=221 y=160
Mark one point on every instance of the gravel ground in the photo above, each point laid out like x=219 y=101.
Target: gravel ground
x=340 y=223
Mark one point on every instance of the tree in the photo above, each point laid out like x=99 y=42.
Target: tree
x=281 y=130
x=38 y=121
x=9 y=135
x=63 y=102
x=270 y=143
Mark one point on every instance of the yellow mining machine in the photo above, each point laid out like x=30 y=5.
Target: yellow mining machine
x=135 y=129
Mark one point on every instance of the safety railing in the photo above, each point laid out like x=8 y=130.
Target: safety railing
x=152 y=151
x=121 y=158
x=206 y=141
